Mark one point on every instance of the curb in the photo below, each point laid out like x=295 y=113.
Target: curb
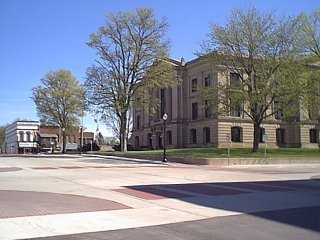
x=222 y=161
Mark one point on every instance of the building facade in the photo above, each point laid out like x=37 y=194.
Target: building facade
x=22 y=137
x=191 y=124
x=51 y=139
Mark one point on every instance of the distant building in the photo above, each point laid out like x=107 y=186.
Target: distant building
x=30 y=137
x=51 y=139
x=21 y=137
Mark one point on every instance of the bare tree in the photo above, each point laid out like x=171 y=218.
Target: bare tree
x=130 y=49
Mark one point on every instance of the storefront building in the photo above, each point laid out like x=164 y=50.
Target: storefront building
x=22 y=137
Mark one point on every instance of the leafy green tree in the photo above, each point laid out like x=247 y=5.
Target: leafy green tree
x=2 y=135
x=258 y=48
x=132 y=49
x=60 y=100
x=309 y=43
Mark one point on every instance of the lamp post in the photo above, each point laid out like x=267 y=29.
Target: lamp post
x=63 y=140
x=164 y=117
x=81 y=138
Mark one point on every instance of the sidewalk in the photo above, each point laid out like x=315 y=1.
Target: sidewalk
x=41 y=197
x=218 y=161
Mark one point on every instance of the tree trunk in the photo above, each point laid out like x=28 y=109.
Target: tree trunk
x=123 y=133
x=256 y=137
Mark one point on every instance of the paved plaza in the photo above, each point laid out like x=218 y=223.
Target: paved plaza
x=94 y=197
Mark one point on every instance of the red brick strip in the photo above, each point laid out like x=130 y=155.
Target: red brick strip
x=9 y=169
x=150 y=193
x=29 y=203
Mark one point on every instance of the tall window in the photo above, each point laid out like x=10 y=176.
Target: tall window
x=136 y=142
x=314 y=135
x=234 y=78
x=206 y=135
x=256 y=82
x=207 y=81
x=278 y=113
x=162 y=102
x=235 y=111
x=280 y=135
x=21 y=136
x=261 y=133
x=208 y=109
x=194 y=85
x=149 y=139
x=194 y=111
x=169 y=138
x=28 y=136
x=236 y=134
x=193 y=136
x=138 y=122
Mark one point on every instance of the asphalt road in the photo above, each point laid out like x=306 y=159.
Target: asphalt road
x=293 y=224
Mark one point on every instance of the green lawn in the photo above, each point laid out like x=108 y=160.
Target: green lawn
x=211 y=152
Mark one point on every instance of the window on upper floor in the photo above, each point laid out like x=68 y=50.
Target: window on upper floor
x=162 y=102
x=194 y=85
x=138 y=122
x=208 y=109
x=21 y=136
x=235 y=109
x=194 y=111
x=28 y=134
x=234 y=78
x=278 y=112
x=207 y=81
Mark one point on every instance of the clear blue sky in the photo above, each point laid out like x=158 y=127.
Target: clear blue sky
x=38 y=36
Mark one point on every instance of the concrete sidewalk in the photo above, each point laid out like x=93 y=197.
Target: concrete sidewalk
x=42 y=197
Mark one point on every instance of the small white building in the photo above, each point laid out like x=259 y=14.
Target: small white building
x=21 y=137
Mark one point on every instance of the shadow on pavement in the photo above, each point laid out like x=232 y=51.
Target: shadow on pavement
x=294 y=203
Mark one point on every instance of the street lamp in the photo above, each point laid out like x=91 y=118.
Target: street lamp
x=63 y=140
x=164 y=117
x=81 y=138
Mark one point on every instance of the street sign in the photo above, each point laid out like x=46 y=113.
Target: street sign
x=264 y=137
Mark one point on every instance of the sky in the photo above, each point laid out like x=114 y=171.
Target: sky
x=38 y=36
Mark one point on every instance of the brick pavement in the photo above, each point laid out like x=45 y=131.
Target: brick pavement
x=30 y=203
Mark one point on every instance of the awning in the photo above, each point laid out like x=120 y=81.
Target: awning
x=48 y=135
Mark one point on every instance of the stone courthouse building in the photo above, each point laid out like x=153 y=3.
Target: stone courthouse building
x=190 y=124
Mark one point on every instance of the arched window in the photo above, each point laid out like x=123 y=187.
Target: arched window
x=236 y=134
x=28 y=136
x=206 y=135
x=21 y=136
